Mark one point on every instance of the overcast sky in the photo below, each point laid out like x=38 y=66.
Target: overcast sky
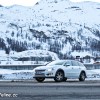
x=18 y=2
x=30 y=2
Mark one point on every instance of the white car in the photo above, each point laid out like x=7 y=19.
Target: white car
x=61 y=70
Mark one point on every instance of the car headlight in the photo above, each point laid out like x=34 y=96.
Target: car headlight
x=50 y=69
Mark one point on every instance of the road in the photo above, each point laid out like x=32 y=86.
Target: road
x=50 y=90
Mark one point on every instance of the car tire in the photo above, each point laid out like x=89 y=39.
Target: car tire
x=82 y=76
x=59 y=77
x=65 y=79
x=40 y=79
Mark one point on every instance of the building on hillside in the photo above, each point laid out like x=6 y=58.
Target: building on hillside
x=83 y=57
x=97 y=60
x=36 y=56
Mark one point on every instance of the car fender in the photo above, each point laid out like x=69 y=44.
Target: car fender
x=60 y=70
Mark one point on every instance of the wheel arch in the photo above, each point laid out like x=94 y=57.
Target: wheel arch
x=60 y=70
x=83 y=72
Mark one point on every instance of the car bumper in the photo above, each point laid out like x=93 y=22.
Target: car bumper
x=45 y=74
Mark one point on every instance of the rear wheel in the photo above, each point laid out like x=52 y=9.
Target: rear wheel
x=82 y=76
x=59 y=77
x=40 y=79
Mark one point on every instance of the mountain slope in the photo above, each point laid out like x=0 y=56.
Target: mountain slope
x=59 y=26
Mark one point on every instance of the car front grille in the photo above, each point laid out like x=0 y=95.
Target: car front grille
x=40 y=72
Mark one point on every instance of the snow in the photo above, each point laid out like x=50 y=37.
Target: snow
x=63 y=15
x=32 y=53
x=81 y=54
x=95 y=74
x=13 y=56
x=15 y=74
x=7 y=74
x=2 y=52
x=36 y=53
x=34 y=15
x=67 y=48
x=8 y=63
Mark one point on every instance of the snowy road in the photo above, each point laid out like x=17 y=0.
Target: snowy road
x=50 y=90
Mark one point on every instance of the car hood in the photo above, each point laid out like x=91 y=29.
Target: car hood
x=43 y=67
x=47 y=67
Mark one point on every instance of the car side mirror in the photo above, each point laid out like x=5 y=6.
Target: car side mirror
x=67 y=65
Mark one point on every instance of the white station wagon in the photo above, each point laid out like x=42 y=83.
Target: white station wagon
x=61 y=70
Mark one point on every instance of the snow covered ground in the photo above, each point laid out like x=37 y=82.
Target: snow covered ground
x=15 y=74
x=7 y=74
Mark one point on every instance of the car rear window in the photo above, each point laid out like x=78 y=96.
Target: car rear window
x=80 y=64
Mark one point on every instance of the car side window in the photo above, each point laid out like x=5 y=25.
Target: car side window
x=80 y=64
x=68 y=63
x=75 y=63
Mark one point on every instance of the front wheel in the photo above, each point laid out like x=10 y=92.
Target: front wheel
x=40 y=79
x=65 y=79
x=59 y=77
x=82 y=76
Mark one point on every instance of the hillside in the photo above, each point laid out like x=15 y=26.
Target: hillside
x=59 y=26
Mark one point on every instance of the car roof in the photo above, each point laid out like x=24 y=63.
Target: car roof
x=65 y=60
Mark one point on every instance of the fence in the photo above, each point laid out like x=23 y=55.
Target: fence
x=19 y=67
x=32 y=66
x=92 y=66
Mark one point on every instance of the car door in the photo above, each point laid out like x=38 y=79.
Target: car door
x=68 y=69
x=76 y=69
x=72 y=69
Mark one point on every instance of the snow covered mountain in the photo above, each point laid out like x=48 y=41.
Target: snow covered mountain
x=59 y=26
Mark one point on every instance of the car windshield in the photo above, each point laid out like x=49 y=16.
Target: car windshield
x=56 y=63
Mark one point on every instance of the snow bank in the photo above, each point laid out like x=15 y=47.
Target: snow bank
x=13 y=56
x=94 y=73
x=37 y=53
x=15 y=74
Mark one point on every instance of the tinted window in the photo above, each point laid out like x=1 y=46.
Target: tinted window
x=59 y=63
x=68 y=63
x=56 y=63
x=80 y=64
x=75 y=63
